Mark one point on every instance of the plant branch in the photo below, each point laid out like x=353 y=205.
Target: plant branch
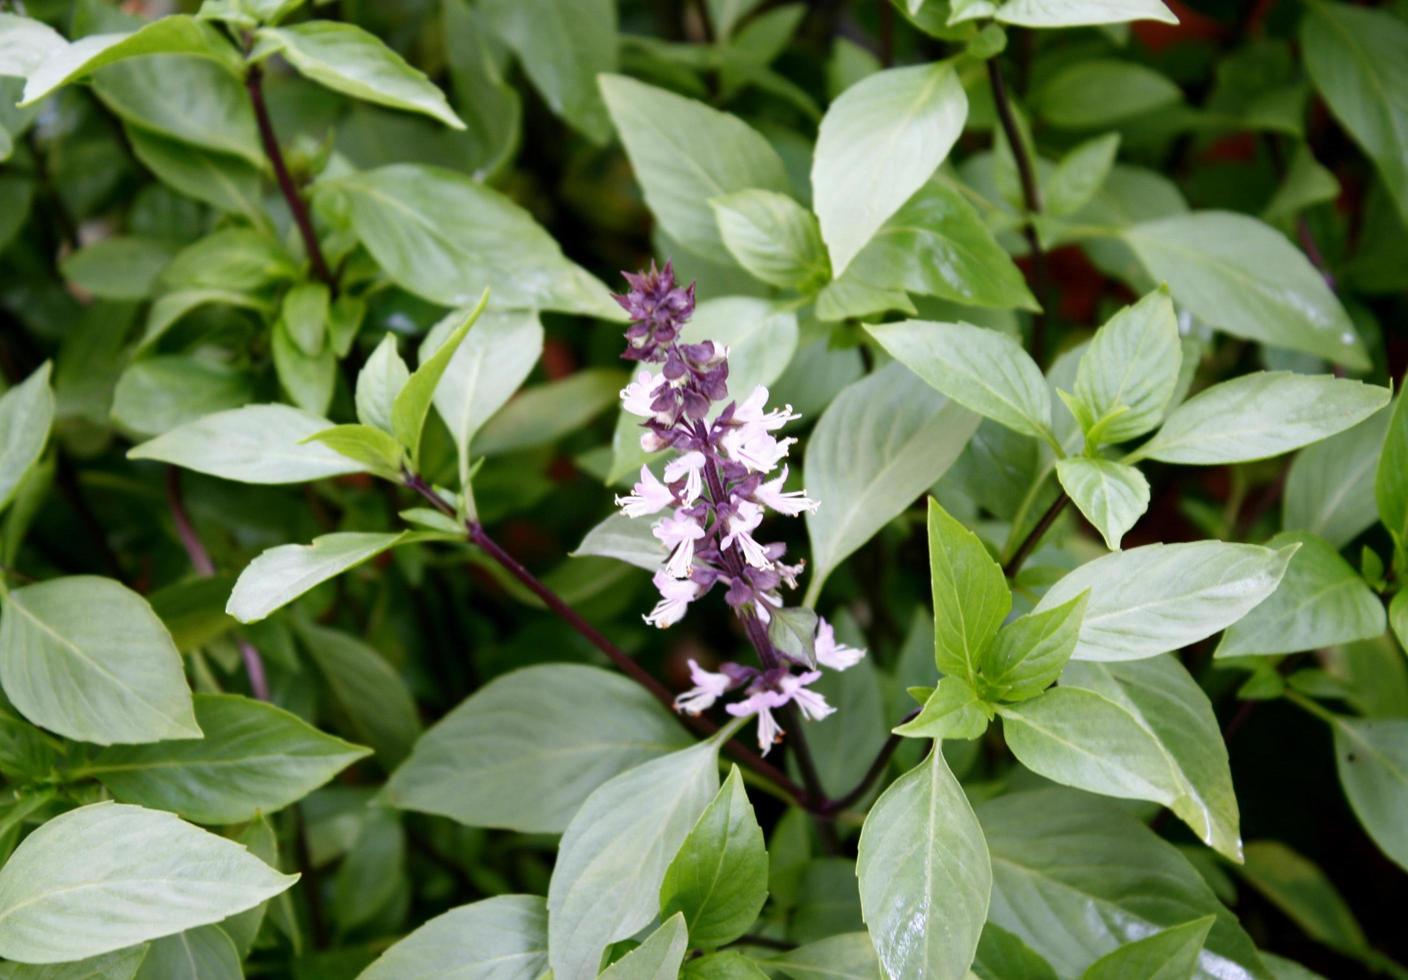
x=1031 y=198
x=205 y=568
x=877 y=768
x=254 y=84
x=477 y=536
x=1013 y=565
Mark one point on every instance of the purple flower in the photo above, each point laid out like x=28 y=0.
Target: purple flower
x=658 y=310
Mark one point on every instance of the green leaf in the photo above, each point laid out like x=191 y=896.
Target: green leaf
x=1095 y=93
x=1398 y=618
x=1160 y=597
x=685 y=154
x=282 y=574
x=848 y=956
x=234 y=260
x=87 y=658
x=1300 y=889
x=879 y=142
x=925 y=876
x=1306 y=184
x=171 y=307
x=379 y=382
x=1371 y=755
x=26 y=413
x=1030 y=652
x=1391 y=478
x=882 y=442
x=1330 y=485
x=253 y=444
x=564 y=48
x=936 y=245
x=981 y=369
x=543 y=414
x=792 y=631
x=486 y=369
x=506 y=935
x=1164 y=700
x=1261 y=415
x=110 y=875
x=1128 y=373
x=1076 y=877
x=193 y=101
x=206 y=953
x=226 y=182
x=1321 y=602
x=158 y=394
x=773 y=238
x=719 y=878
x=953 y=711
x=1168 y=955
x=1078 y=13
x=178 y=34
x=606 y=882
x=525 y=750
x=347 y=59
x=624 y=539
x=844 y=750
x=1077 y=178
x=27 y=43
x=305 y=315
x=411 y=404
x=969 y=593
x=118 y=267
x=1356 y=59
x=658 y=958
x=120 y=965
x=255 y=758
x=1111 y=495
x=379 y=708
x=1002 y=955
x=308 y=381
x=727 y=965
x=445 y=237
x=492 y=108
x=1244 y=277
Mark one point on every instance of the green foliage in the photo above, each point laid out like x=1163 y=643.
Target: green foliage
x=321 y=649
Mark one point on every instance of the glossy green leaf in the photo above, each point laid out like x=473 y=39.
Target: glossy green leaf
x=658 y=958
x=255 y=758
x=543 y=414
x=624 y=539
x=953 y=711
x=1260 y=415
x=1164 y=700
x=1391 y=478
x=925 y=876
x=283 y=573
x=1111 y=496
x=1030 y=652
x=1330 y=484
x=224 y=181
x=123 y=964
x=847 y=956
x=445 y=237
x=347 y=59
x=614 y=854
x=87 y=658
x=178 y=34
x=1168 y=955
x=1127 y=375
x=1078 y=13
x=1160 y=597
x=564 y=48
x=1002 y=954
x=205 y=953
x=1320 y=602
x=1356 y=59
x=879 y=142
x=479 y=941
x=719 y=878
x=1093 y=93
x=309 y=381
x=1078 y=176
x=525 y=750
x=726 y=965
x=26 y=43
x=83 y=883
x=969 y=594
x=935 y=245
x=379 y=382
x=1371 y=755
x=411 y=404
x=26 y=414
x=685 y=154
x=118 y=267
x=880 y=444
x=1076 y=877
x=254 y=444
x=773 y=238
x=1244 y=277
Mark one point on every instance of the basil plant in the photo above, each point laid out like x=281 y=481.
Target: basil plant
x=967 y=540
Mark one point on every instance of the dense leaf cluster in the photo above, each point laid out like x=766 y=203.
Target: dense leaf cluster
x=322 y=652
